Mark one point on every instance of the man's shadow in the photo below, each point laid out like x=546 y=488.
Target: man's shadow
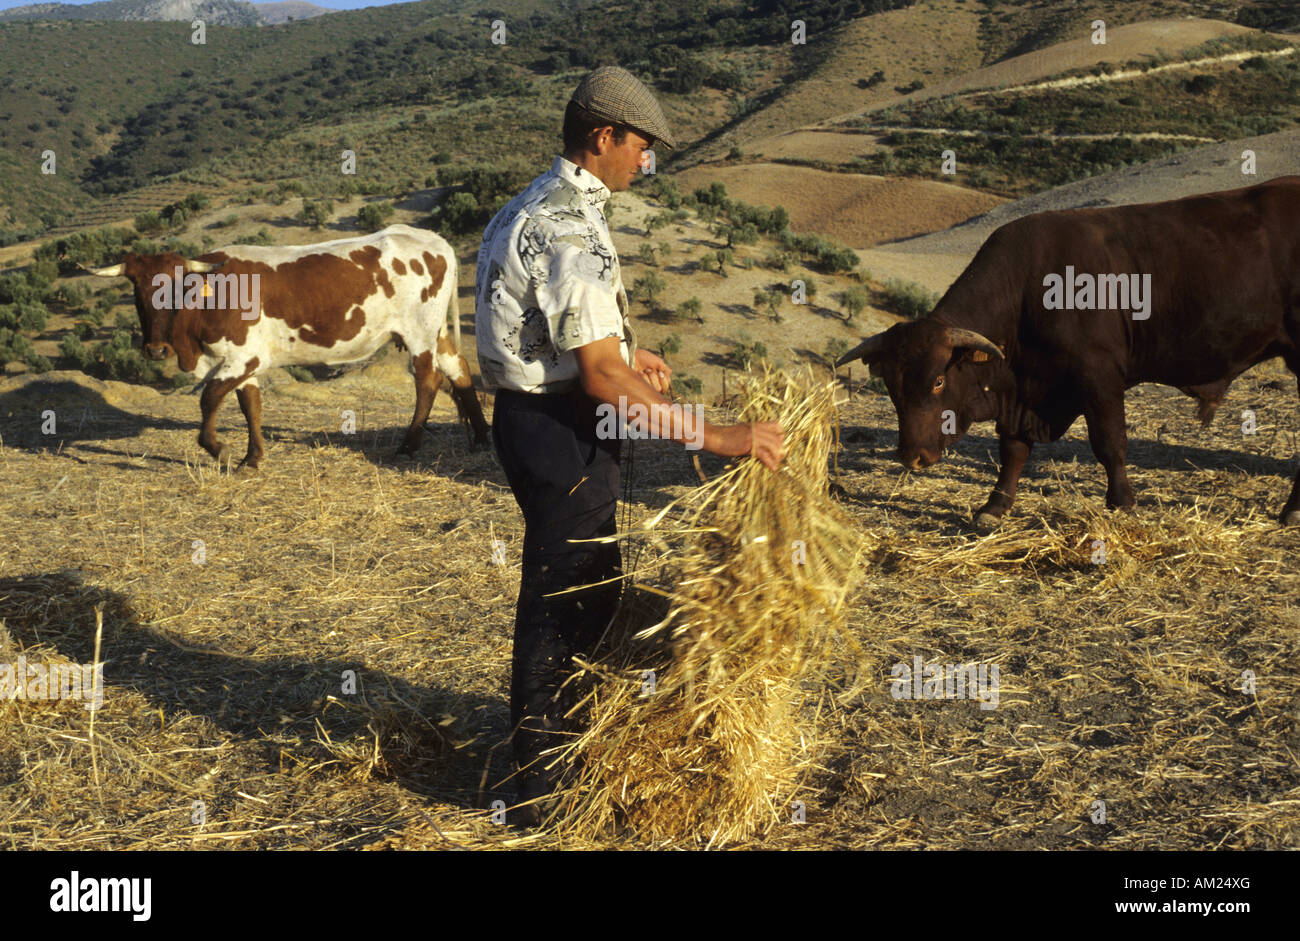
x=422 y=730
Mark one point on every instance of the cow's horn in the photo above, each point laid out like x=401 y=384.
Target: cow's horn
x=960 y=336
x=201 y=267
x=866 y=350
x=113 y=271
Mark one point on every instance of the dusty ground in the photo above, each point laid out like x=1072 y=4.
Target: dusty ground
x=1119 y=682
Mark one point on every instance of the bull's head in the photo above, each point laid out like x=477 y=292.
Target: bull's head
x=937 y=377
x=150 y=277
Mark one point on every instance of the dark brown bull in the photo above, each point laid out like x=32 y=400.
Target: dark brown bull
x=1223 y=294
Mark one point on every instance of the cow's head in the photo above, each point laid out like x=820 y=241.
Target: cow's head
x=937 y=377
x=154 y=296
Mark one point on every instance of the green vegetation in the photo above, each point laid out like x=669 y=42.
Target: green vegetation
x=686 y=385
x=115 y=359
x=16 y=347
x=853 y=300
x=905 y=298
x=372 y=216
x=835 y=348
x=690 y=309
x=1017 y=143
x=746 y=352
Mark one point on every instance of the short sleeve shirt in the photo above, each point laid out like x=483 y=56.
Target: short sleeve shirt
x=548 y=282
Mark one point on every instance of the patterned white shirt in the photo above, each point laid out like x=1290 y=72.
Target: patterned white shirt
x=548 y=282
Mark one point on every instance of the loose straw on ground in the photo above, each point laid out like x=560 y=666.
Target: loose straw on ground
x=692 y=725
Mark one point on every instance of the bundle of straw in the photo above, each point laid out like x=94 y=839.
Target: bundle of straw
x=709 y=745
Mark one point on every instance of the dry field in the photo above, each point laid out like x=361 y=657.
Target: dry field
x=226 y=659
x=855 y=209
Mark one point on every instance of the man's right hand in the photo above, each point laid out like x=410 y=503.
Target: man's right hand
x=763 y=439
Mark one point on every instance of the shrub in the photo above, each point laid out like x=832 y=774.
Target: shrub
x=32 y=317
x=908 y=299
x=854 y=300
x=316 y=212
x=745 y=352
x=690 y=308
x=371 y=216
x=685 y=385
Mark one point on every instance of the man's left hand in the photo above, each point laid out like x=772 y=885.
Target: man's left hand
x=654 y=371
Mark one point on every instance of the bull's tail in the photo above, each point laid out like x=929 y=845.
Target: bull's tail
x=453 y=308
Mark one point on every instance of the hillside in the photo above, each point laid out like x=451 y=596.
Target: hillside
x=212 y=12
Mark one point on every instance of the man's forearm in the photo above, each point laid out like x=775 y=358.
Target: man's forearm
x=620 y=386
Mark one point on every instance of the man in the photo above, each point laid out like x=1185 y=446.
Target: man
x=554 y=341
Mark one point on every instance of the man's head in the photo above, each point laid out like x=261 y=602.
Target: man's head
x=610 y=122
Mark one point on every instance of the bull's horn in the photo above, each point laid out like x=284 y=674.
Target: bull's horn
x=113 y=271
x=960 y=336
x=866 y=350
x=202 y=267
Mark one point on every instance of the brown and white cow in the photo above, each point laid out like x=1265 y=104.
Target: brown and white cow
x=240 y=310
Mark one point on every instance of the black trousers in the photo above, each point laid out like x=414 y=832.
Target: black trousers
x=566 y=482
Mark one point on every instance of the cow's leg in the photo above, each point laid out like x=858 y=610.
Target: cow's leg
x=213 y=394
x=462 y=390
x=427 y=380
x=250 y=403
x=1014 y=452
x=1108 y=432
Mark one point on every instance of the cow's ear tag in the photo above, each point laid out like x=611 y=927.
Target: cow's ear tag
x=979 y=356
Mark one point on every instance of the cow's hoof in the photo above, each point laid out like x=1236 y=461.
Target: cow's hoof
x=400 y=456
x=224 y=456
x=246 y=467
x=987 y=522
x=480 y=444
x=1291 y=518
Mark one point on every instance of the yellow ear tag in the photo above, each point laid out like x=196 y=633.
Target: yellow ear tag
x=979 y=356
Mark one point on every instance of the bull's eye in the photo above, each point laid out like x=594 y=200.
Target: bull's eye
x=938 y=384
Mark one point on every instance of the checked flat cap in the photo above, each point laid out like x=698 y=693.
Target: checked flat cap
x=617 y=95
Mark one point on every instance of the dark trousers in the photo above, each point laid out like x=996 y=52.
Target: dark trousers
x=566 y=482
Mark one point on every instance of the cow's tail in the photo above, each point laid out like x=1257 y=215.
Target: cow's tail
x=453 y=308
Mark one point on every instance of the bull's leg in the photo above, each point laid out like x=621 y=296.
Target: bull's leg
x=1291 y=512
x=1108 y=433
x=213 y=394
x=250 y=403
x=1014 y=452
x=427 y=380
x=462 y=390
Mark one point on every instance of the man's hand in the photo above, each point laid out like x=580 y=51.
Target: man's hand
x=761 y=439
x=654 y=371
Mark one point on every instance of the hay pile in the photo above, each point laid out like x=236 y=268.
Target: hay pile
x=761 y=567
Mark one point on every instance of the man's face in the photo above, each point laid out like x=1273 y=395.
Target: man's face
x=621 y=163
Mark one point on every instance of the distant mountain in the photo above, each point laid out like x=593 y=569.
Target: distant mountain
x=286 y=10
x=213 y=12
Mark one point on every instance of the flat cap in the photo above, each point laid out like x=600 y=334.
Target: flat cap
x=616 y=95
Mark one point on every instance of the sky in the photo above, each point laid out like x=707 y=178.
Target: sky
x=332 y=4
